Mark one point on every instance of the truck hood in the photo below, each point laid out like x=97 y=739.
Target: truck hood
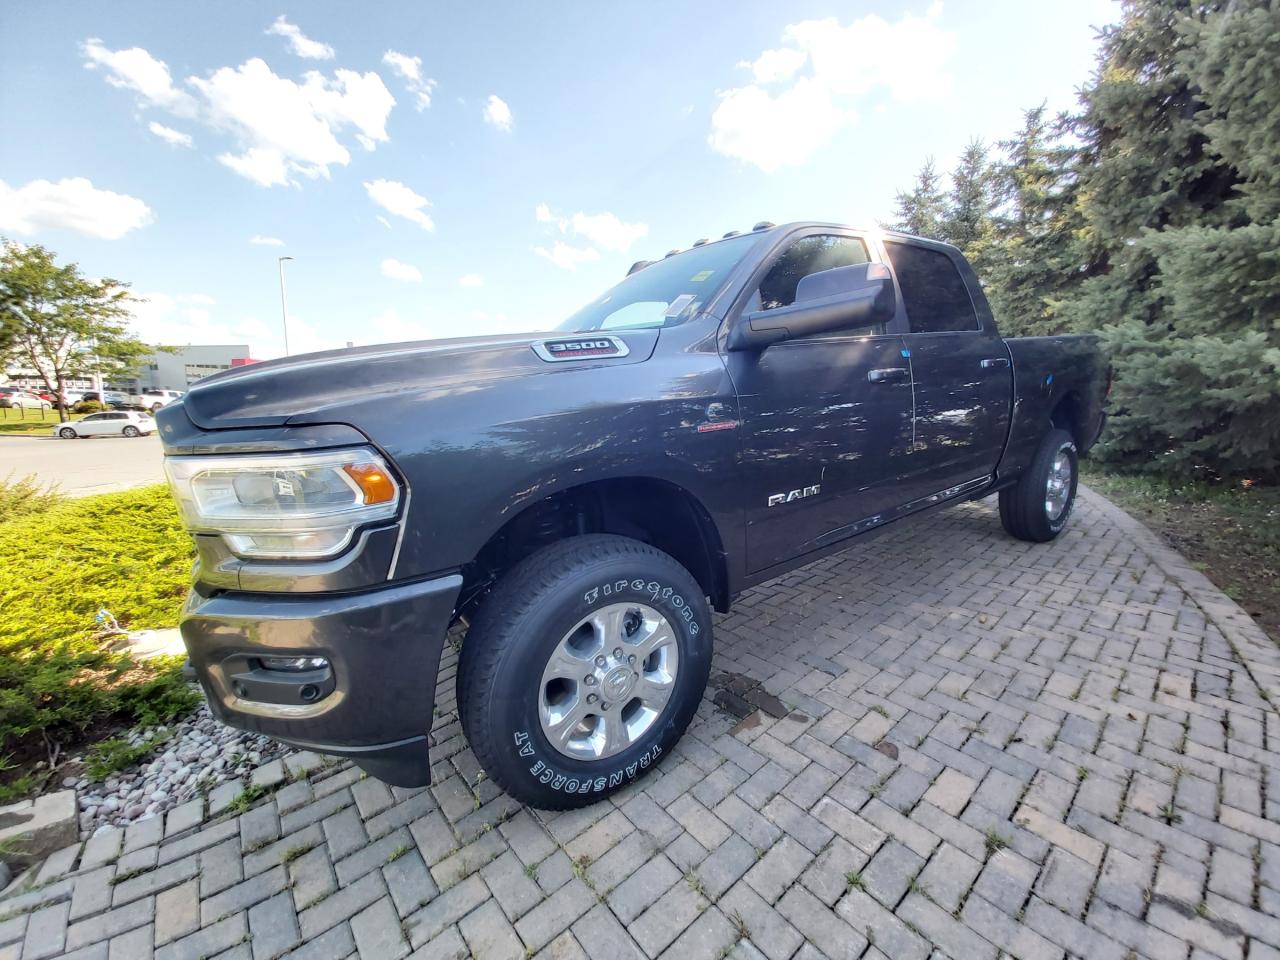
x=275 y=391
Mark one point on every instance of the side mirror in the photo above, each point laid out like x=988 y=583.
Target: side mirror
x=843 y=298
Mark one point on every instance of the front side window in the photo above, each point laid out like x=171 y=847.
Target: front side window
x=934 y=294
x=807 y=255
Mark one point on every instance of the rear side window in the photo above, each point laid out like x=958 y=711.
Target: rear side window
x=807 y=255
x=933 y=292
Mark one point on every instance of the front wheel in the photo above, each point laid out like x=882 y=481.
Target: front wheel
x=67 y=433
x=582 y=669
x=1037 y=507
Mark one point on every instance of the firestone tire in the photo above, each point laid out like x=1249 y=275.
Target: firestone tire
x=1039 y=505
x=520 y=634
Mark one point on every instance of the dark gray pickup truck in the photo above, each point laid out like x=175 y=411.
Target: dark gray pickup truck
x=580 y=500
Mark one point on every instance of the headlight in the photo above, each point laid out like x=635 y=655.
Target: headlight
x=286 y=505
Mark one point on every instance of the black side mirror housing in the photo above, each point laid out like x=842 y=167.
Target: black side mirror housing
x=843 y=298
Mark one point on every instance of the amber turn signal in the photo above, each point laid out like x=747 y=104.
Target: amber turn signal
x=377 y=485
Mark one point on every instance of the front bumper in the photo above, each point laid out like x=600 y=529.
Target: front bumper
x=374 y=700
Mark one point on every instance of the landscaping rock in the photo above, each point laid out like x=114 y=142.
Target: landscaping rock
x=33 y=829
x=195 y=756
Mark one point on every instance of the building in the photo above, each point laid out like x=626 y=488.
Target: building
x=162 y=370
x=178 y=370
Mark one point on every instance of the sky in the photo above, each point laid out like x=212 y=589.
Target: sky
x=449 y=170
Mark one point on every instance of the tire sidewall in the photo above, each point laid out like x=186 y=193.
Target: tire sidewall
x=67 y=433
x=132 y=431
x=1069 y=445
x=523 y=750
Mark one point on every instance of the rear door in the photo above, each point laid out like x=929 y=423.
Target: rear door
x=961 y=371
x=826 y=419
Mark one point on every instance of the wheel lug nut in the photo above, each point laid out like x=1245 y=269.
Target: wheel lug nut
x=600 y=661
x=592 y=698
x=589 y=679
x=631 y=659
x=606 y=705
x=617 y=653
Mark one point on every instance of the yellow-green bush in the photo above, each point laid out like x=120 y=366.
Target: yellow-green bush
x=59 y=565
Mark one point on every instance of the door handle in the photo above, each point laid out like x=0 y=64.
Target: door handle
x=991 y=362
x=885 y=374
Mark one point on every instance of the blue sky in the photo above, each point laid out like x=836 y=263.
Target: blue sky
x=442 y=170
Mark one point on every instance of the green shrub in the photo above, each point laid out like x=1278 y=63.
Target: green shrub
x=26 y=495
x=60 y=565
x=87 y=406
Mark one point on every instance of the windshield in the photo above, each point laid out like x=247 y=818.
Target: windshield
x=664 y=293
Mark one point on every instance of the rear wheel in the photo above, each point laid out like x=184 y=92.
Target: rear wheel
x=132 y=431
x=582 y=669
x=1038 y=506
x=67 y=433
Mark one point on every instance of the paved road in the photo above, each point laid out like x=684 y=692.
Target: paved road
x=989 y=748
x=82 y=467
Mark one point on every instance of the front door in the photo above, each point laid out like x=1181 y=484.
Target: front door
x=826 y=420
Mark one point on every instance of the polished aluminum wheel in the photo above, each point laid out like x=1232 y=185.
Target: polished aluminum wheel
x=1057 y=491
x=608 y=681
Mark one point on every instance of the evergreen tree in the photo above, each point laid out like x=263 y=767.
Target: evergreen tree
x=1035 y=263
x=1180 y=197
x=921 y=211
x=972 y=199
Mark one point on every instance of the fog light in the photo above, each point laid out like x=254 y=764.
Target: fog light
x=294 y=664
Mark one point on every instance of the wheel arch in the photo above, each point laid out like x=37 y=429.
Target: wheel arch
x=653 y=510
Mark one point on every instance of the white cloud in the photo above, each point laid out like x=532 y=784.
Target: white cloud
x=409 y=69
x=497 y=113
x=302 y=45
x=848 y=66
x=261 y=241
x=383 y=220
x=607 y=231
x=169 y=135
x=774 y=65
x=401 y=201
x=401 y=271
x=73 y=204
x=567 y=257
x=471 y=280
x=288 y=128
x=542 y=213
x=284 y=128
x=135 y=69
x=774 y=131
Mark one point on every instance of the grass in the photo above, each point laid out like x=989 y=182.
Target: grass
x=64 y=565
x=13 y=423
x=115 y=754
x=1230 y=531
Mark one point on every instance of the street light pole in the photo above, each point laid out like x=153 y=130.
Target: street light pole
x=284 y=304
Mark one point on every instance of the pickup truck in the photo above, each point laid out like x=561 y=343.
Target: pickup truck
x=580 y=500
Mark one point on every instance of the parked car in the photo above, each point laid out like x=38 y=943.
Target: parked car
x=153 y=400
x=110 y=423
x=113 y=399
x=582 y=499
x=17 y=397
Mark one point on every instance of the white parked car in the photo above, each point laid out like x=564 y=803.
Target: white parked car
x=110 y=423
x=153 y=400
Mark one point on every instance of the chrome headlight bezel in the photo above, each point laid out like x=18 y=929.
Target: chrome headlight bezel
x=308 y=506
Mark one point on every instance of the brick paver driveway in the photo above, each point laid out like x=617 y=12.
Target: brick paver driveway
x=987 y=748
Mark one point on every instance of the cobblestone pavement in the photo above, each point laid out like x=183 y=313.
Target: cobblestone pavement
x=988 y=748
